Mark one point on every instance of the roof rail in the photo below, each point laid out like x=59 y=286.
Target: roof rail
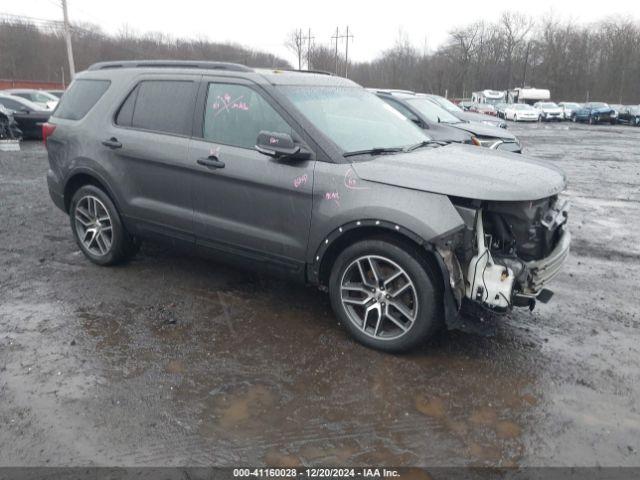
x=205 y=65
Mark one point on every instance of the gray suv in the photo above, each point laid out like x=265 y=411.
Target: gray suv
x=308 y=176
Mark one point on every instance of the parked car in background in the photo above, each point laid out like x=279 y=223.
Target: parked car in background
x=429 y=115
x=463 y=115
x=465 y=105
x=39 y=97
x=549 y=111
x=310 y=176
x=630 y=115
x=595 y=112
x=483 y=108
x=568 y=108
x=9 y=129
x=56 y=93
x=521 y=112
x=29 y=116
x=500 y=107
x=433 y=128
x=617 y=107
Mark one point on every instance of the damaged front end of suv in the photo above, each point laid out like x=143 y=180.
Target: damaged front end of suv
x=507 y=252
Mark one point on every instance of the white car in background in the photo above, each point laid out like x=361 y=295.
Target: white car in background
x=521 y=112
x=39 y=97
x=568 y=108
x=548 y=111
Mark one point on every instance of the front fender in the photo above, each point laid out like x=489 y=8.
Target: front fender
x=341 y=198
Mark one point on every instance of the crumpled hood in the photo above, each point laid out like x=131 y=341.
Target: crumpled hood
x=481 y=130
x=466 y=171
x=476 y=117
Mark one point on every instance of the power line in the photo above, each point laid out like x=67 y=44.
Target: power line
x=309 y=39
x=338 y=37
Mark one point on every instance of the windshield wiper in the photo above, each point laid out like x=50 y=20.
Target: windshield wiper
x=424 y=143
x=374 y=151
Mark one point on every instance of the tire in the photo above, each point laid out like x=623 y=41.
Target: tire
x=368 y=309
x=574 y=119
x=110 y=244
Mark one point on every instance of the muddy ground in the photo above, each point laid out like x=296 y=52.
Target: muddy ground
x=174 y=360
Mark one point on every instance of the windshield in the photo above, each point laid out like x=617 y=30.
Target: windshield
x=446 y=104
x=353 y=118
x=522 y=106
x=431 y=111
x=598 y=105
x=548 y=105
x=571 y=105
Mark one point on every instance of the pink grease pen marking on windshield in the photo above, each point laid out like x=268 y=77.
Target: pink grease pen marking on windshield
x=301 y=180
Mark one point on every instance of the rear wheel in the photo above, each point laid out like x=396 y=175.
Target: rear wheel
x=385 y=294
x=98 y=229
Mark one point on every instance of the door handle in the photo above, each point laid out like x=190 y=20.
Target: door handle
x=112 y=143
x=211 y=162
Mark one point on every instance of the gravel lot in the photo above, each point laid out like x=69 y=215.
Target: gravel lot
x=174 y=360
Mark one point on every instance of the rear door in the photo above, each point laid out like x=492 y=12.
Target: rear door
x=147 y=145
x=247 y=205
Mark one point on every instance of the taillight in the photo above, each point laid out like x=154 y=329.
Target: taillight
x=47 y=129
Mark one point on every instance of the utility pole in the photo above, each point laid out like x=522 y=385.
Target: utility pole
x=67 y=36
x=309 y=40
x=346 y=54
x=337 y=36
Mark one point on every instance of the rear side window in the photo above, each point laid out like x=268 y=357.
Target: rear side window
x=81 y=96
x=160 y=105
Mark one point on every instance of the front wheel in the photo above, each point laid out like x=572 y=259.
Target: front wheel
x=98 y=229
x=386 y=295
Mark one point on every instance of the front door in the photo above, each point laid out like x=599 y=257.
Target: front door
x=246 y=204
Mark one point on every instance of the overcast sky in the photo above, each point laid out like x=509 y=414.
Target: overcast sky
x=265 y=24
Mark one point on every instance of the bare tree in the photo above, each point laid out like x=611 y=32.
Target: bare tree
x=295 y=43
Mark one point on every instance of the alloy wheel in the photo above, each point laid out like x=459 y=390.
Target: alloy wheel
x=93 y=225
x=379 y=297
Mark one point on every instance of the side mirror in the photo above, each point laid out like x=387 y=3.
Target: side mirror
x=280 y=145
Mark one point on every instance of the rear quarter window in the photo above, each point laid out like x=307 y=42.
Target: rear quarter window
x=81 y=96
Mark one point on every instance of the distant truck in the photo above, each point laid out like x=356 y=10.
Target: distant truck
x=528 y=95
x=491 y=97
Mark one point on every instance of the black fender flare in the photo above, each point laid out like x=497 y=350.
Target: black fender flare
x=450 y=307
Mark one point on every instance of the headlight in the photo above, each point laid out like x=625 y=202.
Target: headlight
x=489 y=142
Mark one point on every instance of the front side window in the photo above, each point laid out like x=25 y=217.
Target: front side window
x=235 y=115
x=164 y=106
x=353 y=118
x=402 y=109
x=431 y=111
